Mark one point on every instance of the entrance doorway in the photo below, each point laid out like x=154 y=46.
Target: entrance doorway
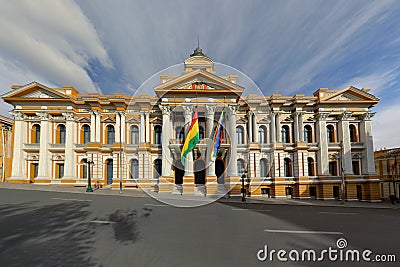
x=109 y=171
x=220 y=171
x=313 y=192
x=179 y=172
x=199 y=172
x=34 y=171
x=359 y=192
x=336 y=192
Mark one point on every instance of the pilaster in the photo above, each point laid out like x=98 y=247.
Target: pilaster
x=368 y=165
x=69 y=159
x=44 y=155
x=18 y=162
x=322 y=155
x=344 y=137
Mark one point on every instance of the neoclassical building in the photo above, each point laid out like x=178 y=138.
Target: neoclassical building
x=287 y=146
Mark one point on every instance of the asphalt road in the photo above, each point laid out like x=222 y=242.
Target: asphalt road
x=65 y=229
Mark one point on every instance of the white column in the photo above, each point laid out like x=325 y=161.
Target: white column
x=368 y=165
x=272 y=129
x=301 y=127
x=278 y=127
x=97 y=128
x=92 y=126
x=344 y=137
x=18 y=165
x=117 y=127
x=209 y=131
x=296 y=127
x=166 y=136
x=142 y=128
x=255 y=128
x=69 y=159
x=250 y=126
x=322 y=155
x=189 y=157
x=147 y=126
x=123 y=126
x=44 y=155
x=232 y=165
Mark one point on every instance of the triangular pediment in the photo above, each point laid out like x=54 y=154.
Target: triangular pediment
x=35 y=90
x=198 y=80
x=264 y=120
x=349 y=94
x=83 y=120
x=156 y=120
x=133 y=120
x=108 y=119
x=241 y=121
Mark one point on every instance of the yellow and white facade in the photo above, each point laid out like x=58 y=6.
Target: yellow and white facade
x=290 y=146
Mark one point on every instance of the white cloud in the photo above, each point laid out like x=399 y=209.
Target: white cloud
x=51 y=39
x=338 y=43
x=386 y=126
x=377 y=81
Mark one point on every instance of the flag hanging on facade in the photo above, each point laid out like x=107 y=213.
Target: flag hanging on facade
x=192 y=137
x=217 y=140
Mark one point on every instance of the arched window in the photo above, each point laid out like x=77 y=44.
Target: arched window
x=310 y=165
x=285 y=134
x=157 y=134
x=307 y=134
x=134 y=135
x=262 y=131
x=240 y=135
x=331 y=133
x=61 y=134
x=264 y=168
x=287 y=167
x=134 y=169
x=353 y=133
x=201 y=132
x=36 y=134
x=86 y=134
x=179 y=133
x=240 y=166
x=157 y=168
x=110 y=134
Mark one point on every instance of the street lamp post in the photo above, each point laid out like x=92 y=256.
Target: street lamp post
x=89 y=187
x=342 y=173
x=243 y=189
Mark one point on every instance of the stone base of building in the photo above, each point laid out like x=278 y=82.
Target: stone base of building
x=356 y=189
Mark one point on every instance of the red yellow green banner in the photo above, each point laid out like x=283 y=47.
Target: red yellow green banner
x=192 y=138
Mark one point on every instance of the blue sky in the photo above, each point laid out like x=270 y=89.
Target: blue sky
x=283 y=46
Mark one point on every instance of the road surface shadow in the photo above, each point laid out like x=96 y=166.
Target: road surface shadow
x=51 y=235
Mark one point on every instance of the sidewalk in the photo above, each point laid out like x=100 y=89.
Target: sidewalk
x=134 y=192
x=313 y=202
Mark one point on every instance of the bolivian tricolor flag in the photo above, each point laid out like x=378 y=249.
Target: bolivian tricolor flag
x=192 y=137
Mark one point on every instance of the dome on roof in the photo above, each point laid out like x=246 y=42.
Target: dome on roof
x=198 y=52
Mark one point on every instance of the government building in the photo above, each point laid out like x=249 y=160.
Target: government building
x=282 y=146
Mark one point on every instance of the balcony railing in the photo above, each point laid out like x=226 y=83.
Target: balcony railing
x=31 y=146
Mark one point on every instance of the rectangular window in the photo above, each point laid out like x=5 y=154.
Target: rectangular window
x=265 y=191
x=35 y=169
x=333 y=168
x=356 y=167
